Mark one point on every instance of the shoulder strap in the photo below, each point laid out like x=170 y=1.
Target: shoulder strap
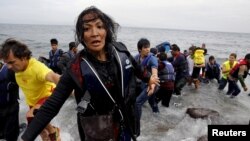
x=145 y=61
x=101 y=83
x=97 y=76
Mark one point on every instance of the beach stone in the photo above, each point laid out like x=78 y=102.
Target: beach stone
x=201 y=113
x=203 y=138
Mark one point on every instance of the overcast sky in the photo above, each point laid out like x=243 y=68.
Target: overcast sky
x=209 y=15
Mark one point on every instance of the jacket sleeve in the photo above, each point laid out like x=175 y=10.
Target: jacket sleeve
x=50 y=108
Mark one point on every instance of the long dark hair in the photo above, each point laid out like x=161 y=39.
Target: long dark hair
x=110 y=26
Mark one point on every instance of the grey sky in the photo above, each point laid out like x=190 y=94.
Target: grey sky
x=211 y=15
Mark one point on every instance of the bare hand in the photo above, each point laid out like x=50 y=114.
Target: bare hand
x=245 y=88
x=151 y=89
x=154 y=80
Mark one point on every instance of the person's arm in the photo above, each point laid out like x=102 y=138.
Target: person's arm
x=240 y=77
x=52 y=77
x=154 y=71
x=145 y=77
x=50 y=108
x=152 y=85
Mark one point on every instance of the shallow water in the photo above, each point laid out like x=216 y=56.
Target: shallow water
x=172 y=124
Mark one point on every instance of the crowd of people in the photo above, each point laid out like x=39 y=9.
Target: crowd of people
x=110 y=85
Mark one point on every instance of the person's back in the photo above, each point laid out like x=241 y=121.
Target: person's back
x=67 y=56
x=199 y=64
x=165 y=69
x=54 y=56
x=199 y=57
x=9 y=105
x=166 y=75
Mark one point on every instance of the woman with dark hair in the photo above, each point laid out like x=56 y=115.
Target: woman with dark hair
x=103 y=77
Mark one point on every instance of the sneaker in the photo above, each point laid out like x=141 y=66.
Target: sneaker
x=55 y=136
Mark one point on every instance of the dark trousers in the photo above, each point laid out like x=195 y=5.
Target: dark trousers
x=179 y=84
x=164 y=96
x=196 y=72
x=234 y=87
x=223 y=83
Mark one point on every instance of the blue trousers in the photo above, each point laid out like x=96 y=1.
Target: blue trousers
x=142 y=98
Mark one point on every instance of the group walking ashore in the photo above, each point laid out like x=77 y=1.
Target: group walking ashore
x=109 y=84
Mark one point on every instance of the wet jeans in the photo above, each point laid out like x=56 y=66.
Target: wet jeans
x=142 y=98
x=234 y=87
x=223 y=83
x=179 y=84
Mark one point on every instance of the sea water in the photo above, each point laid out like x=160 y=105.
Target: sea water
x=172 y=124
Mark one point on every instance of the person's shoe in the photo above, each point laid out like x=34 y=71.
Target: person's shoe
x=232 y=96
x=156 y=114
x=56 y=135
x=229 y=93
x=249 y=94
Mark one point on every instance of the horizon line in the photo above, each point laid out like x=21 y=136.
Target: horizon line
x=129 y=26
